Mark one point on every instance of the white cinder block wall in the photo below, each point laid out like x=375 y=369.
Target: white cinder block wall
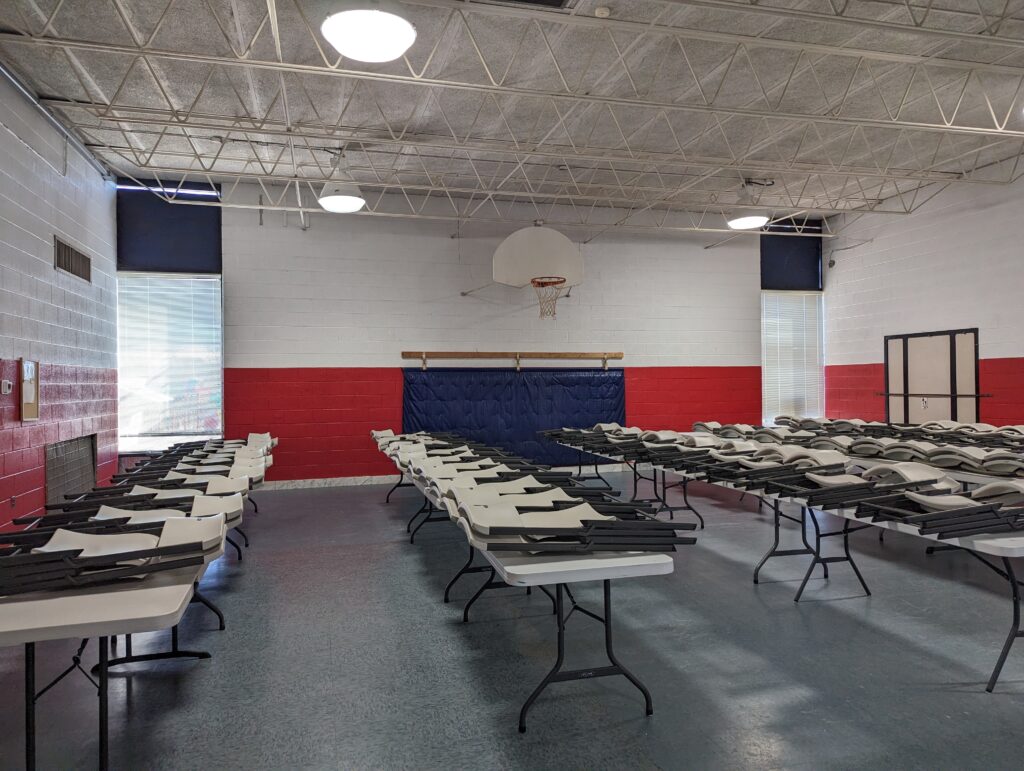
x=47 y=188
x=957 y=262
x=65 y=323
x=356 y=291
x=315 y=322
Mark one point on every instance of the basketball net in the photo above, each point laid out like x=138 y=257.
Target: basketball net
x=548 y=289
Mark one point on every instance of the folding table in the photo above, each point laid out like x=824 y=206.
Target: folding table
x=153 y=603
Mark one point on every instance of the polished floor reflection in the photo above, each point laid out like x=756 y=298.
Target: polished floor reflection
x=340 y=654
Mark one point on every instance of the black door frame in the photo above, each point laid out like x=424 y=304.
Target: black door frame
x=952 y=395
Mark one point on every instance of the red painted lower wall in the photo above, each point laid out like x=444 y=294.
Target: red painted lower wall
x=672 y=398
x=73 y=402
x=1004 y=379
x=321 y=416
x=850 y=391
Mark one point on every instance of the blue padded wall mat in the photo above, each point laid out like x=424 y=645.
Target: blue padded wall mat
x=505 y=408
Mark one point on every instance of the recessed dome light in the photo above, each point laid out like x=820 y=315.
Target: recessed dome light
x=369 y=30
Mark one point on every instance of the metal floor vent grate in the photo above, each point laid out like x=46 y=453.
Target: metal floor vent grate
x=70 y=467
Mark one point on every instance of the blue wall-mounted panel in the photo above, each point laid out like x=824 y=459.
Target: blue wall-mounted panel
x=791 y=263
x=153 y=235
x=505 y=408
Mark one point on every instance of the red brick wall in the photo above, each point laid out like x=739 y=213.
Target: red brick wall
x=851 y=391
x=321 y=416
x=672 y=398
x=74 y=401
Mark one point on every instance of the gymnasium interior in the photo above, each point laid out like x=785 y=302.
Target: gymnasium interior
x=515 y=384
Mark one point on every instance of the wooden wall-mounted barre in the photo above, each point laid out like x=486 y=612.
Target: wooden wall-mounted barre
x=517 y=356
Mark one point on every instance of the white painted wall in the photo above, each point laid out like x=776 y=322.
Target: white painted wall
x=355 y=291
x=957 y=262
x=47 y=188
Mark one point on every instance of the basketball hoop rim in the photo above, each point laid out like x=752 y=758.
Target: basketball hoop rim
x=543 y=281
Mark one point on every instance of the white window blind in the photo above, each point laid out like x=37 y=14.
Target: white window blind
x=792 y=355
x=169 y=359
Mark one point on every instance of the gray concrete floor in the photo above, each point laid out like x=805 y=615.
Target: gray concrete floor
x=340 y=654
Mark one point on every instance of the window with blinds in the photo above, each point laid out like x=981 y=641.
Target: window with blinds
x=792 y=355
x=170 y=365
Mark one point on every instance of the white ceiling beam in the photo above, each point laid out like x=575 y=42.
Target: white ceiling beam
x=504 y=219
x=124 y=115
x=772 y=202
x=558 y=16
x=503 y=90
x=839 y=15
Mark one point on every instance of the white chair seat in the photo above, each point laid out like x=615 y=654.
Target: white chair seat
x=910 y=472
x=177 y=492
x=96 y=545
x=836 y=480
x=151 y=515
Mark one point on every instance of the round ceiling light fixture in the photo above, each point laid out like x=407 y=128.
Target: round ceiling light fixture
x=743 y=219
x=747 y=221
x=369 y=30
x=341 y=198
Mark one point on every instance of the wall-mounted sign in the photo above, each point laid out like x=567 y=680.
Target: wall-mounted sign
x=29 y=374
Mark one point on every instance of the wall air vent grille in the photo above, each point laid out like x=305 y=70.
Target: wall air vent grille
x=70 y=260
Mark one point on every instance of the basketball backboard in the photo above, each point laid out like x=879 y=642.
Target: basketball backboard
x=537 y=251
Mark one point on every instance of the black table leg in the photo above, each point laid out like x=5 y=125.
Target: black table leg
x=429 y=518
x=490 y=583
x=596 y=475
x=774 y=550
x=559 y=658
x=420 y=510
x=401 y=478
x=686 y=501
x=30 y=706
x=130 y=657
x=816 y=550
x=1014 y=627
x=663 y=497
x=198 y=596
x=849 y=557
x=775 y=543
x=1007 y=573
x=462 y=571
x=102 y=688
x=648 y=703
x=806 y=512
x=557 y=674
